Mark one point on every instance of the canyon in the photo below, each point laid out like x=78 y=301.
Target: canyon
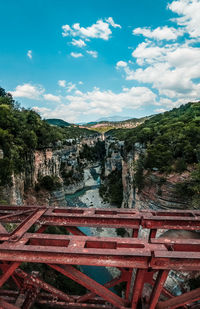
x=76 y=178
x=66 y=166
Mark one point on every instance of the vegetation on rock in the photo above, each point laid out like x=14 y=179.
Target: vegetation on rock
x=95 y=153
x=58 y=122
x=112 y=189
x=172 y=145
x=22 y=131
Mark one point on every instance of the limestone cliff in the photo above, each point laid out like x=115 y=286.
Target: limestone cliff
x=158 y=190
x=113 y=158
x=62 y=164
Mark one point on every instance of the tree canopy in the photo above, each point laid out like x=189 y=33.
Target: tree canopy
x=22 y=131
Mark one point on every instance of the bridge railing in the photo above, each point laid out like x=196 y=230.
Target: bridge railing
x=138 y=260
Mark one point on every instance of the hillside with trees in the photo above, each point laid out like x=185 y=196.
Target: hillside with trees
x=172 y=145
x=22 y=131
x=58 y=122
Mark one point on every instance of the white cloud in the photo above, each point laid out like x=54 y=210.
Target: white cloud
x=62 y=83
x=172 y=69
x=78 y=43
x=80 y=82
x=70 y=87
x=96 y=102
x=51 y=97
x=76 y=55
x=29 y=54
x=93 y=53
x=101 y=29
x=28 y=91
x=149 y=52
x=121 y=64
x=189 y=10
x=108 y=102
x=160 y=110
x=111 y=21
x=160 y=33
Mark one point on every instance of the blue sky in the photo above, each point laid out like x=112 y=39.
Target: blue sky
x=83 y=60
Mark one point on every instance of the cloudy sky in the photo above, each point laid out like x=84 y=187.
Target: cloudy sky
x=83 y=60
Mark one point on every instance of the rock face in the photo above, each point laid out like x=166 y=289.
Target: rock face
x=113 y=160
x=63 y=164
x=158 y=191
x=129 y=190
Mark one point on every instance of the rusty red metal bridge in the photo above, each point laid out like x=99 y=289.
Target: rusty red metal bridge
x=24 y=239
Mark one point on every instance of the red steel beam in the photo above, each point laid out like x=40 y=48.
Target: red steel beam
x=90 y=284
x=153 y=254
x=74 y=230
x=9 y=271
x=138 y=287
x=189 y=220
x=25 y=225
x=108 y=285
x=4 y=266
x=80 y=250
x=48 y=299
x=184 y=299
x=5 y=305
x=128 y=283
x=157 y=289
x=43 y=285
x=81 y=217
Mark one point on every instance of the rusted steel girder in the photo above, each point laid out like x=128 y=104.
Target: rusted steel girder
x=181 y=300
x=189 y=220
x=62 y=251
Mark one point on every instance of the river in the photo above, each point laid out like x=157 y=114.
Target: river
x=89 y=197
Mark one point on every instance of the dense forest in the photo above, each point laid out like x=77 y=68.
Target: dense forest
x=171 y=141
x=22 y=131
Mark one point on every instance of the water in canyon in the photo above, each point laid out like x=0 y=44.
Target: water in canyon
x=89 y=197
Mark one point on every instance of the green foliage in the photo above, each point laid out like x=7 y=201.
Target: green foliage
x=190 y=189
x=113 y=189
x=50 y=183
x=180 y=165
x=95 y=153
x=58 y=122
x=5 y=171
x=72 y=176
x=139 y=177
x=194 y=283
x=22 y=131
x=121 y=231
x=171 y=139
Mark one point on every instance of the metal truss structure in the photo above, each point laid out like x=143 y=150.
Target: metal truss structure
x=139 y=261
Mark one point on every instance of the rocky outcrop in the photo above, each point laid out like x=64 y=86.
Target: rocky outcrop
x=13 y=194
x=113 y=160
x=63 y=164
x=158 y=190
x=129 y=190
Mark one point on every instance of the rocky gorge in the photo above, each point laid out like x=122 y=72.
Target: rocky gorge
x=158 y=189
x=70 y=171
x=49 y=175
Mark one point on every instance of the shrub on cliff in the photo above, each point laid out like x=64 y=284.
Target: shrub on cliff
x=50 y=183
x=171 y=139
x=21 y=132
x=112 y=190
x=93 y=153
x=190 y=189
